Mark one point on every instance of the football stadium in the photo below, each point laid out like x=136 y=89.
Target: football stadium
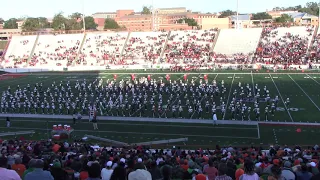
x=175 y=101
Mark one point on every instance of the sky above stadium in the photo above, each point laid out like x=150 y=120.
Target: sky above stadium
x=46 y=8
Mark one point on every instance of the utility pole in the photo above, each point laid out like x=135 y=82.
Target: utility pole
x=319 y=15
x=153 y=17
x=83 y=18
x=237 y=25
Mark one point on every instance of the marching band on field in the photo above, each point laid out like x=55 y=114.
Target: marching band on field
x=144 y=97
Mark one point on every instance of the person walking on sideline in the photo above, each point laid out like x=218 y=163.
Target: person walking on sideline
x=215 y=119
x=8 y=122
x=94 y=122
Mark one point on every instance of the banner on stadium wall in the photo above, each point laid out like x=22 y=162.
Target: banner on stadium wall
x=257 y=66
x=146 y=66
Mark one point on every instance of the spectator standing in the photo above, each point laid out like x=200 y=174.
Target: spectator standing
x=222 y=172
x=200 y=177
x=239 y=172
x=19 y=167
x=57 y=172
x=140 y=173
x=31 y=167
x=155 y=171
x=287 y=172
x=94 y=172
x=249 y=173
x=38 y=173
x=231 y=169
x=314 y=169
x=107 y=171
x=304 y=174
x=6 y=174
x=84 y=173
x=211 y=171
x=119 y=172
x=130 y=167
x=276 y=173
x=166 y=172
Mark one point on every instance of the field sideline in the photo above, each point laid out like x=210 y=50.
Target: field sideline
x=301 y=88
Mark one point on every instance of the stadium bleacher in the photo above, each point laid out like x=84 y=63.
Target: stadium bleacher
x=19 y=50
x=78 y=160
x=23 y=159
x=143 y=46
x=271 y=45
x=238 y=41
x=189 y=46
x=102 y=46
x=285 y=44
x=56 y=50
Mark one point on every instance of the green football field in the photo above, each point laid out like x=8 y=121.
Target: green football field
x=302 y=89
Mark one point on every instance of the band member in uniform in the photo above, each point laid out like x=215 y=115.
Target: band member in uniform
x=94 y=122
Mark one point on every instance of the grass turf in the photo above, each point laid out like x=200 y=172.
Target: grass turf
x=302 y=89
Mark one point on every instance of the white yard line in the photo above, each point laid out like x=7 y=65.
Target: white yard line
x=141 y=133
x=139 y=124
x=275 y=85
x=275 y=136
x=313 y=79
x=24 y=82
x=227 y=105
x=253 y=89
x=305 y=93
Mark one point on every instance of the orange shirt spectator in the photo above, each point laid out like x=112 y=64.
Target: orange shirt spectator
x=239 y=172
x=84 y=175
x=185 y=165
x=18 y=167
x=56 y=148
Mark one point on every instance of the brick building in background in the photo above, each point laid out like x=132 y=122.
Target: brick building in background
x=164 y=19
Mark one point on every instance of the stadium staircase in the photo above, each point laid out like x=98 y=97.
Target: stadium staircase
x=315 y=33
x=215 y=40
x=81 y=46
x=125 y=44
x=165 y=45
x=6 y=48
x=33 y=48
x=259 y=40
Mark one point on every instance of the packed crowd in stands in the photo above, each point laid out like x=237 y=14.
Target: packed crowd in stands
x=315 y=49
x=57 y=52
x=46 y=160
x=190 y=47
x=146 y=46
x=99 y=48
x=278 y=45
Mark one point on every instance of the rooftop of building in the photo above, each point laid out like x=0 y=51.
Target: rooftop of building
x=243 y=17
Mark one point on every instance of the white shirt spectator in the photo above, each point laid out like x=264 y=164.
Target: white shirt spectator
x=140 y=174
x=106 y=173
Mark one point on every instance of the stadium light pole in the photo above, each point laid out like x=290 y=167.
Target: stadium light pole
x=83 y=18
x=153 y=11
x=319 y=15
x=237 y=25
